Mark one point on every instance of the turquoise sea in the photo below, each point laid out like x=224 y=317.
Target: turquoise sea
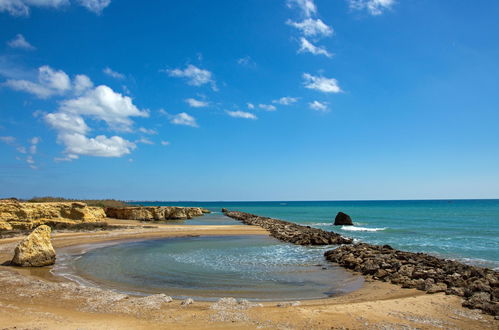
x=467 y=230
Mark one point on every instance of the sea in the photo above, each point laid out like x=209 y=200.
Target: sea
x=464 y=230
x=259 y=267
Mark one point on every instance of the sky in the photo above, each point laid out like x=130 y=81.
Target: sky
x=249 y=100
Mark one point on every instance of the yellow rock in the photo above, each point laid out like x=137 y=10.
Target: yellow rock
x=149 y=213
x=5 y=226
x=35 y=250
x=30 y=215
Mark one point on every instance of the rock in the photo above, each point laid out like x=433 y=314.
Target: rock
x=224 y=210
x=438 y=287
x=186 y=302
x=152 y=213
x=35 y=250
x=343 y=219
x=290 y=232
x=27 y=216
x=5 y=226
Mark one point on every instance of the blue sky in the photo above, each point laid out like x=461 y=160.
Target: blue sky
x=249 y=100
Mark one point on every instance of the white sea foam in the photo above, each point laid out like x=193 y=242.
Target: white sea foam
x=352 y=228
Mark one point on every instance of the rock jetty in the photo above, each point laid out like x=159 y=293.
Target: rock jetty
x=343 y=219
x=26 y=216
x=290 y=232
x=35 y=250
x=478 y=286
x=154 y=213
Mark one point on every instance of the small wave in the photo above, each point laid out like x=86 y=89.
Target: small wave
x=352 y=228
x=321 y=224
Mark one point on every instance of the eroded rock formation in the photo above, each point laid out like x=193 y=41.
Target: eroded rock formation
x=151 y=213
x=24 y=216
x=35 y=250
x=478 y=286
x=343 y=219
x=290 y=232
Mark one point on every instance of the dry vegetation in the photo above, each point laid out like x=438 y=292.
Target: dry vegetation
x=89 y=202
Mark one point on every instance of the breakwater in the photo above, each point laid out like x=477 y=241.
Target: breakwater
x=288 y=231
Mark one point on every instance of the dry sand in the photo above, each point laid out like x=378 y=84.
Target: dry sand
x=35 y=299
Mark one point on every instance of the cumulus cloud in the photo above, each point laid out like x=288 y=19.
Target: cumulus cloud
x=250 y=105
x=183 y=119
x=307 y=47
x=22 y=7
x=66 y=122
x=312 y=27
x=196 y=103
x=100 y=146
x=20 y=42
x=287 y=100
x=96 y=6
x=50 y=82
x=194 y=76
x=144 y=141
x=82 y=83
x=318 y=106
x=8 y=139
x=241 y=114
x=307 y=7
x=34 y=145
x=373 y=7
x=104 y=104
x=111 y=73
x=323 y=84
x=267 y=107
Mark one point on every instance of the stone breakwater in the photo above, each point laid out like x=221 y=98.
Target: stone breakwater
x=478 y=286
x=288 y=231
x=26 y=216
x=154 y=213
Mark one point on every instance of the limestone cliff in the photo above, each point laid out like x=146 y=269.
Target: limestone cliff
x=150 y=213
x=19 y=215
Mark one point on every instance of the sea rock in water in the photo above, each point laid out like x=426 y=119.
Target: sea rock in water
x=343 y=219
x=224 y=210
x=35 y=250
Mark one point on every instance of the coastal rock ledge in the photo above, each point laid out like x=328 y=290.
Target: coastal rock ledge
x=152 y=213
x=290 y=232
x=35 y=250
x=478 y=286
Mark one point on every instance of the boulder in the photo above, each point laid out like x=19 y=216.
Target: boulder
x=343 y=219
x=224 y=210
x=35 y=250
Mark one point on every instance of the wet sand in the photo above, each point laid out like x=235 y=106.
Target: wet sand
x=34 y=298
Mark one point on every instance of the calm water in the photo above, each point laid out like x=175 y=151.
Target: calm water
x=255 y=267
x=467 y=230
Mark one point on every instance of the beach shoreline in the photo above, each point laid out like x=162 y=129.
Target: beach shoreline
x=54 y=302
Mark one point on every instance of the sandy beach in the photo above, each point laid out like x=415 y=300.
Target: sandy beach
x=36 y=299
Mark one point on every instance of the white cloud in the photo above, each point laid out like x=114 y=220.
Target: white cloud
x=50 y=82
x=34 y=143
x=196 y=103
x=323 y=84
x=246 y=61
x=112 y=73
x=96 y=6
x=287 y=100
x=8 y=139
x=374 y=7
x=144 y=141
x=312 y=27
x=82 y=83
x=105 y=104
x=307 y=47
x=267 y=107
x=100 y=146
x=20 y=42
x=183 y=119
x=250 y=105
x=147 y=131
x=194 y=75
x=165 y=143
x=21 y=149
x=318 y=106
x=307 y=7
x=22 y=7
x=65 y=122
x=241 y=114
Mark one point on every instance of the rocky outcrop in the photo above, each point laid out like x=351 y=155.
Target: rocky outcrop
x=27 y=216
x=151 y=213
x=35 y=250
x=290 y=232
x=478 y=286
x=4 y=226
x=343 y=219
